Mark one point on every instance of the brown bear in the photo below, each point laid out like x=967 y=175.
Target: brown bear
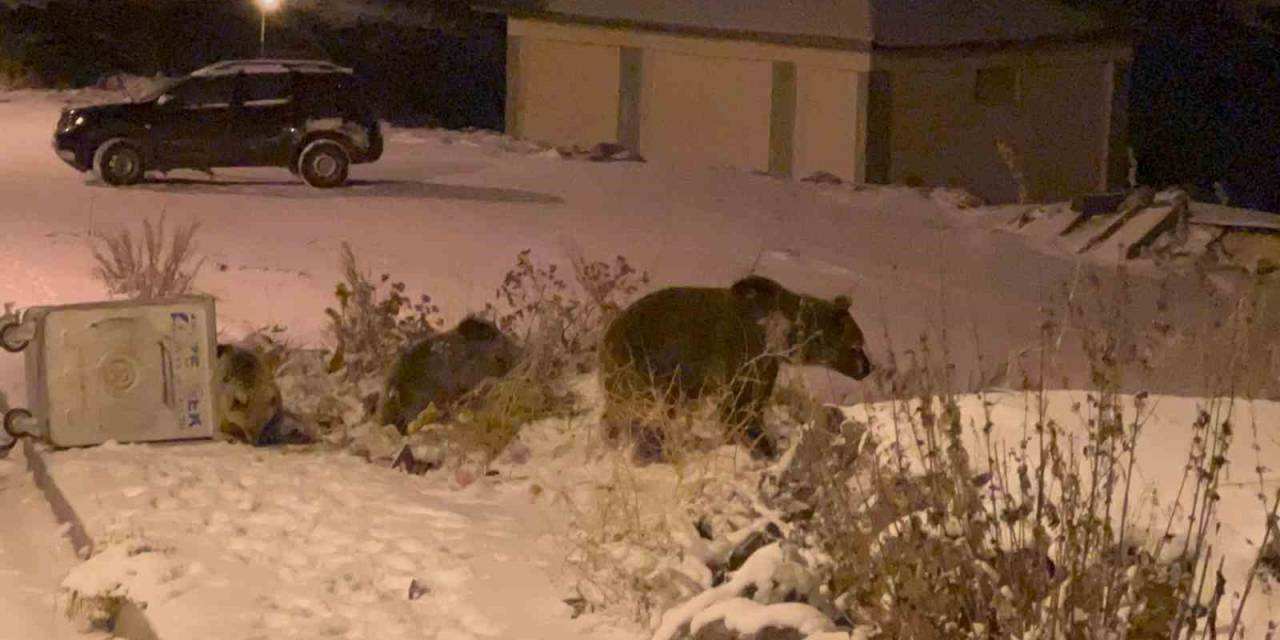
x=442 y=368
x=678 y=343
x=251 y=407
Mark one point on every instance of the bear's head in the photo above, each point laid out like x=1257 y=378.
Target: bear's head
x=827 y=335
x=812 y=331
x=487 y=346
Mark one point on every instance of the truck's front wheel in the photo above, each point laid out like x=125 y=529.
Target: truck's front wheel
x=118 y=162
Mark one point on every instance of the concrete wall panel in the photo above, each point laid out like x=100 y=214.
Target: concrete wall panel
x=707 y=111
x=827 y=136
x=567 y=93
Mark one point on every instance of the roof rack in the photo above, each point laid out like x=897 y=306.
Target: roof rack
x=268 y=65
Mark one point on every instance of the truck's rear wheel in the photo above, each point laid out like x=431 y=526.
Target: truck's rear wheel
x=118 y=163
x=324 y=164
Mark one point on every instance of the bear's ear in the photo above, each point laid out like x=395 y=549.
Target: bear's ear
x=842 y=302
x=760 y=294
x=756 y=288
x=475 y=329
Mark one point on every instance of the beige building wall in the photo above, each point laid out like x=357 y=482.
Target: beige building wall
x=1058 y=129
x=905 y=117
x=827 y=129
x=566 y=93
x=705 y=111
x=702 y=100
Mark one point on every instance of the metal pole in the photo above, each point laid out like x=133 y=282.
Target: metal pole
x=262 y=36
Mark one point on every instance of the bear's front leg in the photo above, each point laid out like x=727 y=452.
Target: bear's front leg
x=743 y=413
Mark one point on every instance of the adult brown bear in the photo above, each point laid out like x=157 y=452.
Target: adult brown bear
x=679 y=343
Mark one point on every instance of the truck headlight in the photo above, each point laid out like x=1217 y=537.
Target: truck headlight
x=73 y=123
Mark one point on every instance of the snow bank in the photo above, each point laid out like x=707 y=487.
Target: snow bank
x=746 y=617
x=758 y=572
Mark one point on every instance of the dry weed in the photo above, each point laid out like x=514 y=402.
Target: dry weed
x=156 y=267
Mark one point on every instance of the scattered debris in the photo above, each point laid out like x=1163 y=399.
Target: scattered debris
x=1157 y=223
x=1167 y=227
x=578 y=605
x=405 y=461
x=1134 y=204
x=1089 y=206
x=602 y=152
x=417 y=589
x=823 y=177
x=956 y=198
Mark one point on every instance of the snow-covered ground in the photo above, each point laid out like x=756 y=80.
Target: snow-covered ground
x=225 y=541
x=35 y=556
x=287 y=545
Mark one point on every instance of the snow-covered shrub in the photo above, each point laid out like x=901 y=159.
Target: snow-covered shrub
x=930 y=527
x=647 y=538
x=500 y=409
x=15 y=75
x=556 y=326
x=130 y=572
x=558 y=323
x=370 y=326
x=1013 y=162
x=156 y=266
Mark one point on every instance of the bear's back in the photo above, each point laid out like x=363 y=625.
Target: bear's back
x=700 y=331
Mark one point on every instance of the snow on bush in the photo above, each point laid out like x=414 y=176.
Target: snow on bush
x=746 y=617
x=757 y=573
x=554 y=319
x=128 y=572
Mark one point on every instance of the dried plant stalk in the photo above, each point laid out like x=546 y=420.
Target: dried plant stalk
x=157 y=267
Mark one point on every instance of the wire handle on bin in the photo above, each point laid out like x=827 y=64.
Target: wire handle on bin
x=18 y=424
x=15 y=336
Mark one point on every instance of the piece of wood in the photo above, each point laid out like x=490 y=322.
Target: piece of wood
x=1157 y=222
x=1216 y=215
x=1142 y=227
x=1133 y=204
x=1088 y=206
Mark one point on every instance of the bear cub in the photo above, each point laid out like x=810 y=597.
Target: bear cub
x=440 y=369
x=679 y=343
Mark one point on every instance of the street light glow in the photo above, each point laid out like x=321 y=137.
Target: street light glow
x=265 y=7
